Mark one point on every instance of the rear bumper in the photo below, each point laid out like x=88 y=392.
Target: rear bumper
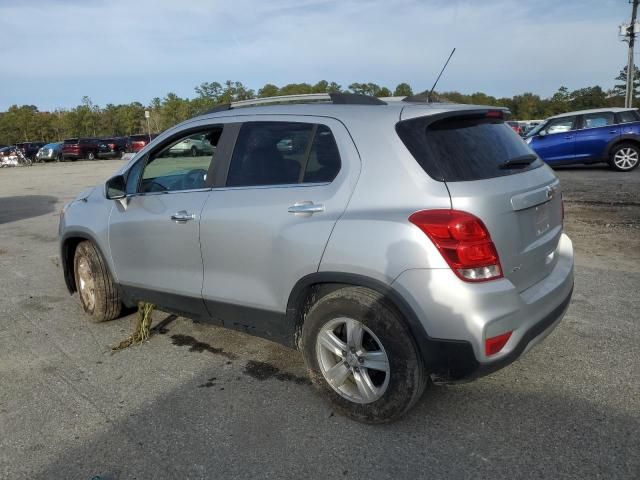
x=459 y=316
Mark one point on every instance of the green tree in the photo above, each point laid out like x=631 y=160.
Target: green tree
x=619 y=89
x=403 y=90
x=269 y=90
x=588 y=97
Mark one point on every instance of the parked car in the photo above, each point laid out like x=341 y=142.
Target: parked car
x=515 y=126
x=404 y=242
x=6 y=151
x=112 y=147
x=30 y=149
x=135 y=143
x=609 y=135
x=195 y=145
x=79 y=148
x=50 y=152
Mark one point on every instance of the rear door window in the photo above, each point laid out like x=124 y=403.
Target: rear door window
x=596 y=120
x=283 y=153
x=324 y=159
x=464 y=148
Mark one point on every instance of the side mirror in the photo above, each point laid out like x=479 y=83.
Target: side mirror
x=542 y=133
x=116 y=188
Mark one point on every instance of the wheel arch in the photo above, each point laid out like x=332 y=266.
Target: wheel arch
x=446 y=360
x=312 y=287
x=68 y=245
x=634 y=139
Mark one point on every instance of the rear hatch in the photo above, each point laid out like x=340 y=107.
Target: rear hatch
x=491 y=173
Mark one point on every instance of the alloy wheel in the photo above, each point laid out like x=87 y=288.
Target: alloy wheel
x=87 y=284
x=626 y=158
x=352 y=360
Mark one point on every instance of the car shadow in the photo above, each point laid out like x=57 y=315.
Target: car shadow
x=590 y=166
x=275 y=429
x=13 y=209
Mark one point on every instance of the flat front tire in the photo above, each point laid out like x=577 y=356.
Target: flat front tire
x=97 y=290
x=361 y=355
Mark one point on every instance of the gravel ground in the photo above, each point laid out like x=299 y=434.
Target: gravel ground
x=197 y=401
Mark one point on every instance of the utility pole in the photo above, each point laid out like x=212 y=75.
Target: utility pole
x=631 y=34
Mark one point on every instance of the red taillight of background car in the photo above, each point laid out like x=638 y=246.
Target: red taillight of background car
x=464 y=242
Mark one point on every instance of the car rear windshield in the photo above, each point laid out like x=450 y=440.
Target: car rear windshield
x=466 y=147
x=71 y=140
x=139 y=138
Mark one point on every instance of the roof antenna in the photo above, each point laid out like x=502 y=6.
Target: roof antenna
x=441 y=71
x=420 y=96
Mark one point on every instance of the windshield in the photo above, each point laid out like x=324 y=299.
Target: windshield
x=534 y=131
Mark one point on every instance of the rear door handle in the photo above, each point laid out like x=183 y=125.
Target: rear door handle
x=183 y=216
x=308 y=208
x=569 y=137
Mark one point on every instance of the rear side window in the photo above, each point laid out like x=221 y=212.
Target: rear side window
x=464 y=148
x=595 y=120
x=281 y=153
x=628 y=116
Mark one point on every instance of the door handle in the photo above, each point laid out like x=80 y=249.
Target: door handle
x=568 y=137
x=308 y=208
x=613 y=131
x=183 y=216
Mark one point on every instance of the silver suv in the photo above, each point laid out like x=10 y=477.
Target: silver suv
x=395 y=242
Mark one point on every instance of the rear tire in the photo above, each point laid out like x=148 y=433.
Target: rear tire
x=194 y=151
x=91 y=155
x=356 y=337
x=97 y=290
x=624 y=157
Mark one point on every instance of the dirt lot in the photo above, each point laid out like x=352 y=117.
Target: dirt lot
x=201 y=402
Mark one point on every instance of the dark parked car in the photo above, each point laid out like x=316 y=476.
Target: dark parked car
x=112 y=147
x=30 y=149
x=135 y=143
x=6 y=151
x=79 y=148
x=609 y=135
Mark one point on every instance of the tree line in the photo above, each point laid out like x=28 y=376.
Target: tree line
x=27 y=123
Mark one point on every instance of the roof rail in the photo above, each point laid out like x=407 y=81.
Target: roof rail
x=335 y=98
x=310 y=97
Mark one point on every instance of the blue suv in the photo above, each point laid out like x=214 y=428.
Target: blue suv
x=609 y=135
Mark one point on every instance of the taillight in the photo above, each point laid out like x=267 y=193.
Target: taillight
x=464 y=242
x=495 y=114
x=494 y=344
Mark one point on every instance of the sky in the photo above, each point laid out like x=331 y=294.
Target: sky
x=53 y=52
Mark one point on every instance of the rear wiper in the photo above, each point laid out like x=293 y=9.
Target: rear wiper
x=519 y=162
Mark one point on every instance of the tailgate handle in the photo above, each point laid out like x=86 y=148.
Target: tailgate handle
x=535 y=197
